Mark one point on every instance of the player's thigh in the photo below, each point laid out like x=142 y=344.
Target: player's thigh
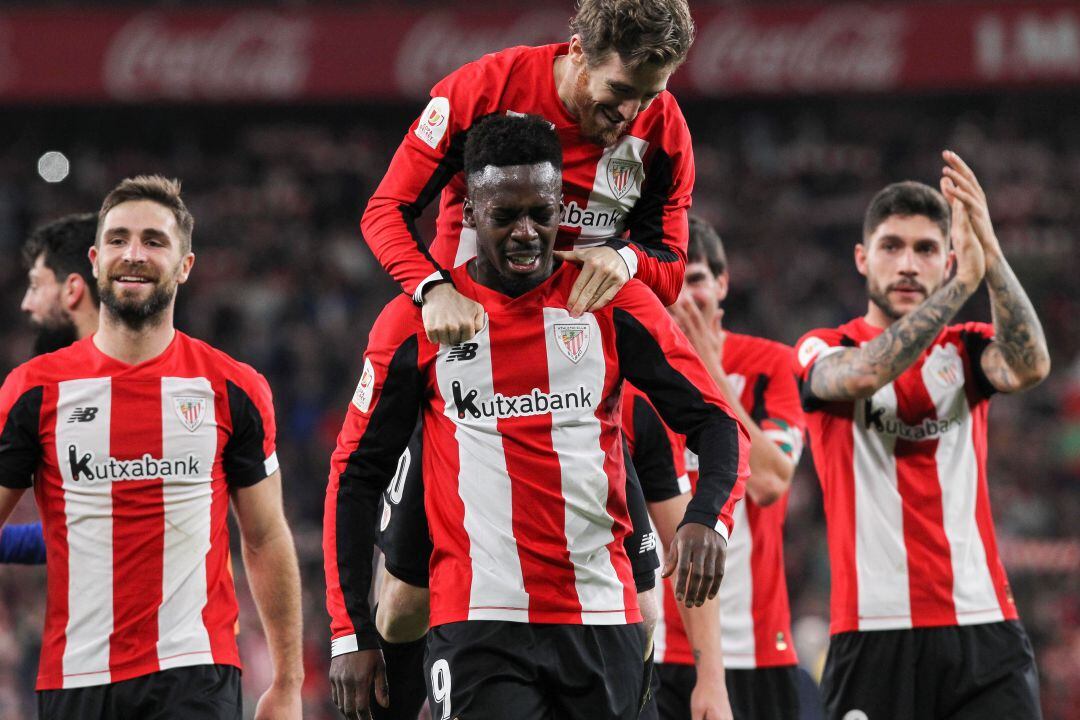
x=483 y=669
x=764 y=693
x=91 y=703
x=595 y=672
x=404 y=536
x=870 y=675
x=197 y=692
x=676 y=685
x=998 y=677
x=640 y=544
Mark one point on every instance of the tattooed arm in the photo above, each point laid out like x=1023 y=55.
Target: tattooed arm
x=1018 y=357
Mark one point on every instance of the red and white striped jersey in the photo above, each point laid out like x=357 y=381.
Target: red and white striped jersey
x=131 y=467
x=633 y=195
x=911 y=537
x=754 y=610
x=523 y=462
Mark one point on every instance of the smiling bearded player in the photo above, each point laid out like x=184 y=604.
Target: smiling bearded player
x=533 y=605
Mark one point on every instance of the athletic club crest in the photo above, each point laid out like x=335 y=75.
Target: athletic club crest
x=945 y=366
x=190 y=410
x=621 y=176
x=572 y=339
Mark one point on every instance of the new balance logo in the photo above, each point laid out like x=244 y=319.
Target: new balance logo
x=83 y=414
x=648 y=543
x=462 y=352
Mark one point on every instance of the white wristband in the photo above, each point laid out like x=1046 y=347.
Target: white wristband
x=630 y=258
x=342 y=645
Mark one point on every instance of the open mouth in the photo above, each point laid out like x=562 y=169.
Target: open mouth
x=132 y=280
x=524 y=262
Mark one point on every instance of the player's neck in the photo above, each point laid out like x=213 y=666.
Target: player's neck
x=876 y=317
x=86 y=324
x=132 y=346
x=564 y=82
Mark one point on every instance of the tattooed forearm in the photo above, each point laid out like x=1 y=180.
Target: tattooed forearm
x=1018 y=357
x=860 y=372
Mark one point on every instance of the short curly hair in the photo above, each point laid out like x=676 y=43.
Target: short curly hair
x=643 y=32
x=905 y=199
x=503 y=140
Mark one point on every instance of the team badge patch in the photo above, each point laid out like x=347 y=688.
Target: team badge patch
x=621 y=176
x=573 y=339
x=190 y=410
x=945 y=366
x=365 y=389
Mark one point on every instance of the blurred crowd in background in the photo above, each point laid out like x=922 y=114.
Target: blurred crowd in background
x=284 y=281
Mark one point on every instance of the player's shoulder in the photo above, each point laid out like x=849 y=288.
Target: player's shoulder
x=967 y=330
x=493 y=70
x=199 y=356
x=761 y=351
x=663 y=123
x=72 y=362
x=399 y=320
x=814 y=342
x=636 y=298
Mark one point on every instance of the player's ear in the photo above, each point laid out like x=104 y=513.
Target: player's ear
x=186 y=263
x=92 y=253
x=860 y=258
x=576 y=52
x=73 y=291
x=467 y=218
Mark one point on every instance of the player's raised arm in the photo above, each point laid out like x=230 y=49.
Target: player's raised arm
x=656 y=357
x=425 y=162
x=859 y=372
x=380 y=419
x=1017 y=358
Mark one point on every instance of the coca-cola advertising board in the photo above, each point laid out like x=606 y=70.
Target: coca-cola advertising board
x=332 y=54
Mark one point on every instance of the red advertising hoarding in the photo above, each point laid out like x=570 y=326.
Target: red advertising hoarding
x=313 y=54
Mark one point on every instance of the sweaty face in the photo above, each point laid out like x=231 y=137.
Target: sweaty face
x=607 y=96
x=138 y=262
x=515 y=212
x=702 y=287
x=43 y=305
x=905 y=260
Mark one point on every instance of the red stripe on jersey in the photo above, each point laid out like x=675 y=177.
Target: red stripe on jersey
x=450 y=539
x=49 y=492
x=985 y=520
x=769 y=598
x=221 y=613
x=840 y=511
x=138 y=528
x=930 y=575
x=539 y=509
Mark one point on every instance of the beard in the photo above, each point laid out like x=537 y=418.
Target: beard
x=55 y=336
x=880 y=297
x=137 y=314
x=585 y=109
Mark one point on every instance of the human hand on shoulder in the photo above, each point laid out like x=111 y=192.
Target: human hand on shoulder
x=450 y=317
x=603 y=273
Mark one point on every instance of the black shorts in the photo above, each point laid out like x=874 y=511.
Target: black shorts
x=964 y=672
x=405 y=539
x=198 y=692
x=763 y=693
x=523 y=671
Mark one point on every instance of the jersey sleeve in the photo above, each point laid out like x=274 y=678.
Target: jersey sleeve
x=250 y=453
x=20 y=418
x=781 y=418
x=976 y=337
x=22 y=544
x=657 y=358
x=811 y=347
x=658 y=228
x=378 y=424
x=431 y=154
x=655 y=452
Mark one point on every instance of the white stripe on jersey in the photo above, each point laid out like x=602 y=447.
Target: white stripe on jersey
x=880 y=552
x=466 y=248
x=181 y=632
x=575 y=437
x=737 y=596
x=627 y=155
x=498 y=586
x=974 y=596
x=88 y=513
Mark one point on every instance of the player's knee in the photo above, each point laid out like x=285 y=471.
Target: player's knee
x=649 y=613
x=403 y=610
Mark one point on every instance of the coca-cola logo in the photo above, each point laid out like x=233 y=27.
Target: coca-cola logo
x=251 y=55
x=440 y=43
x=845 y=48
